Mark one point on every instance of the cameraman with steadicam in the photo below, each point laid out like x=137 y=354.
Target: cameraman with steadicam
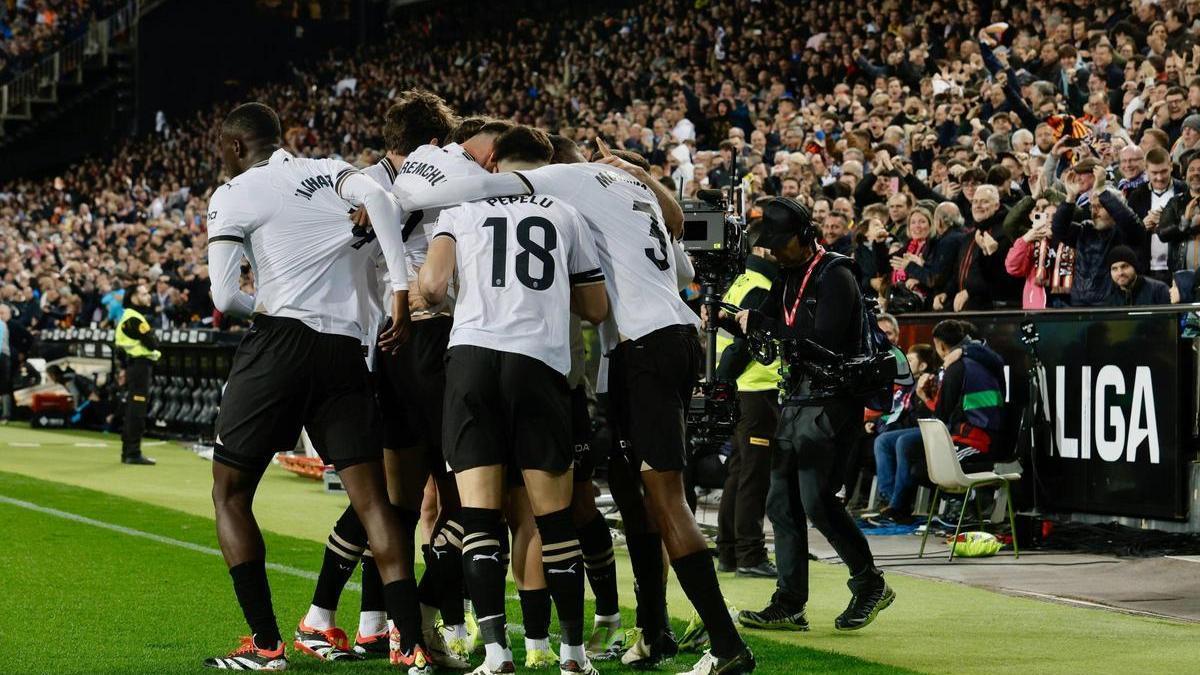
x=816 y=298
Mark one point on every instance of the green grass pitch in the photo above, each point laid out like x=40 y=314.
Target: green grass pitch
x=79 y=597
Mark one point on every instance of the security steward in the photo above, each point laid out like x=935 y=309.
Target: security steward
x=135 y=338
x=741 y=545
x=816 y=298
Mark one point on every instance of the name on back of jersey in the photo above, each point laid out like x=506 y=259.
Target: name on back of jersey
x=607 y=178
x=309 y=186
x=535 y=200
x=424 y=170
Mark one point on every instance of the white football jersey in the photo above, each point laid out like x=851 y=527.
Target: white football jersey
x=295 y=229
x=632 y=241
x=427 y=167
x=517 y=259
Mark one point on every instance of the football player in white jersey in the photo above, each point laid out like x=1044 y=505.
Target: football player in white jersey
x=655 y=351
x=410 y=380
x=523 y=264
x=301 y=364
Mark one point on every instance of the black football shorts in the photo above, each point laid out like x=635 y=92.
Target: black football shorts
x=287 y=376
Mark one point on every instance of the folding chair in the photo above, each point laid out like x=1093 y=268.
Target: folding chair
x=947 y=476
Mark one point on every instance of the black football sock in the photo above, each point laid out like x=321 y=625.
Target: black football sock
x=254 y=595
x=535 y=613
x=408 y=536
x=372 y=585
x=698 y=578
x=343 y=548
x=447 y=556
x=402 y=608
x=428 y=590
x=562 y=561
x=484 y=571
x=646 y=558
x=601 y=565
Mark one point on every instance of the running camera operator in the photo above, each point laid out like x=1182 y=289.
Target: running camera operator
x=815 y=311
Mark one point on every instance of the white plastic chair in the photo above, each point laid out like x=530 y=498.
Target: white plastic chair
x=947 y=476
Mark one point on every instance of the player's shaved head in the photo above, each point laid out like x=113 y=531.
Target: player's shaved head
x=417 y=118
x=633 y=158
x=525 y=145
x=249 y=135
x=251 y=122
x=566 y=151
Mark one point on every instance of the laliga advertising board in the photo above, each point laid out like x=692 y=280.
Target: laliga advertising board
x=1121 y=408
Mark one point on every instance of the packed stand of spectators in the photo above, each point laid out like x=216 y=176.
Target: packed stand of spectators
x=31 y=29
x=965 y=164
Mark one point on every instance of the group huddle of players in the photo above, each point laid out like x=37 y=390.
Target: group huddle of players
x=461 y=264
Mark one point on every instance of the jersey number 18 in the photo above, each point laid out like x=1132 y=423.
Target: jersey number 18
x=529 y=247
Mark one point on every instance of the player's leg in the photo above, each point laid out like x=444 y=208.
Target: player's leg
x=343 y=423
x=317 y=633
x=484 y=567
x=423 y=370
x=529 y=577
x=538 y=407
x=595 y=539
x=242 y=546
x=475 y=444
x=662 y=374
x=656 y=641
x=460 y=631
x=259 y=414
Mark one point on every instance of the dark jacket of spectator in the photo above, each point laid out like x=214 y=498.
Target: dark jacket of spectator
x=982 y=276
x=1181 y=232
x=1074 y=225
x=1144 y=291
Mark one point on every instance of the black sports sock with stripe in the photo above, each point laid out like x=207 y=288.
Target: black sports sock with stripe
x=254 y=595
x=484 y=571
x=562 y=561
x=600 y=564
x=535 y=613
x=447 y=554
x=343 y=549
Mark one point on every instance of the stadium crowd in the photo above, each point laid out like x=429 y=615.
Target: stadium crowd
x=965 y=164
x=30 y=29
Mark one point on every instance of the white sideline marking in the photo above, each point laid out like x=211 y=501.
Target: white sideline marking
x=24 y=444
x=208 y=550
x=86 y=444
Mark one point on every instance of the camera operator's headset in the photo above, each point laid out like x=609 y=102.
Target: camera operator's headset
x=781 y=211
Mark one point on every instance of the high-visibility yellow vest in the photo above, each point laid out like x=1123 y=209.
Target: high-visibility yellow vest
x=132 y=347
x=756 y=376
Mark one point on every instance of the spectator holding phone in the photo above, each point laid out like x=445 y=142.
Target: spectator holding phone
x=1030 y=255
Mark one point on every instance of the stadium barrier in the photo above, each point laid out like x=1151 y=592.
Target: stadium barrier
x=188 y=379
x=1120 y=389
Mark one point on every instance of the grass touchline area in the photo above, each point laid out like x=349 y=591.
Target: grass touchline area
x=126 y=598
